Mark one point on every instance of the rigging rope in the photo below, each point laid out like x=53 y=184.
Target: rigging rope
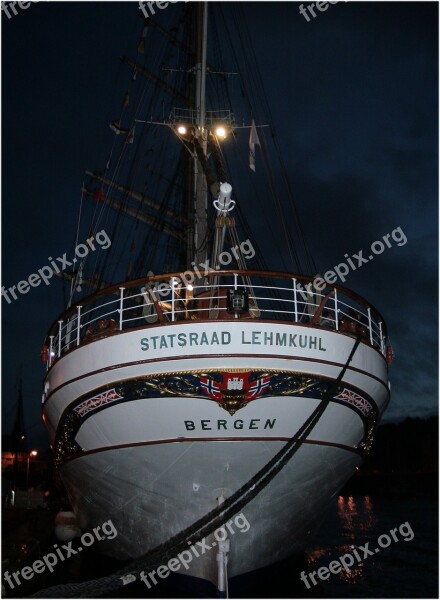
x=73 y=281
x=211 y=521
x=252 y=89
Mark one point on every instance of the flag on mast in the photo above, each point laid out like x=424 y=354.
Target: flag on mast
x=253 y=140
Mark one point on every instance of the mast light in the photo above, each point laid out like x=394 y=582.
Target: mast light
x=221 y=131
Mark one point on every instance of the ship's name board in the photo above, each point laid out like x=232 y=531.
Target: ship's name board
x=222 y=424
x=225 y=338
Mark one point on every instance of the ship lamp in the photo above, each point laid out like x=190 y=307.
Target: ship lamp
x=238 y=302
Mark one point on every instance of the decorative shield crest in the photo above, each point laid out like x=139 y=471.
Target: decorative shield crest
x=234 y=390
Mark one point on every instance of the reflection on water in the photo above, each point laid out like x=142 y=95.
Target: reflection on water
x=357 y=523
x=406 y=568
x=356 y=516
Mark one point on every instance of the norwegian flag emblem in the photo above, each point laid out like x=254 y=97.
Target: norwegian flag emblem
x=257 y=388
x=210 y=388
x=234 y=388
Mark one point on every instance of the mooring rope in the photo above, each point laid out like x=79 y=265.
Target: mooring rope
x=211 y=521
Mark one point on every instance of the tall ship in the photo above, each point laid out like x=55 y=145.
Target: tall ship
x=187 y=378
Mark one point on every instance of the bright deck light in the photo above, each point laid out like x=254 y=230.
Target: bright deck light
x=221 y=132
x=182 y=130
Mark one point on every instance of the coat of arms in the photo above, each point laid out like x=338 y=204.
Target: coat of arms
x=234 y=390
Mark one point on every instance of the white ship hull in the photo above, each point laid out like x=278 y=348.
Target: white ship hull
x=153 y=492
x=142 y=435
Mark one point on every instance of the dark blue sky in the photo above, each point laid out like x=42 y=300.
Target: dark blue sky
x=354 y=98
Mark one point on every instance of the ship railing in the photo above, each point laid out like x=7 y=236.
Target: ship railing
x=273 y=297
x=191 y=116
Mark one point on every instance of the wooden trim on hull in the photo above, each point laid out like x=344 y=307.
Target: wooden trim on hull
x=202 y=356
x=357 y=451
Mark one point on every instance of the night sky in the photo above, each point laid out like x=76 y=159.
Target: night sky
x=354 y=98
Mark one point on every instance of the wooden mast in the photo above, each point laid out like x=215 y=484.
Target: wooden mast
x=200 y=184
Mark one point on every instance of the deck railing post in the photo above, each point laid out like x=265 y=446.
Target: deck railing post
x=336 y=310
x=50 y=351
x=382 y=341
x=295 y=299
x=60 y=326
x=370 y=326
x=121 y=307
x=235 y=281
x=172 y=297
x=78 y=325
